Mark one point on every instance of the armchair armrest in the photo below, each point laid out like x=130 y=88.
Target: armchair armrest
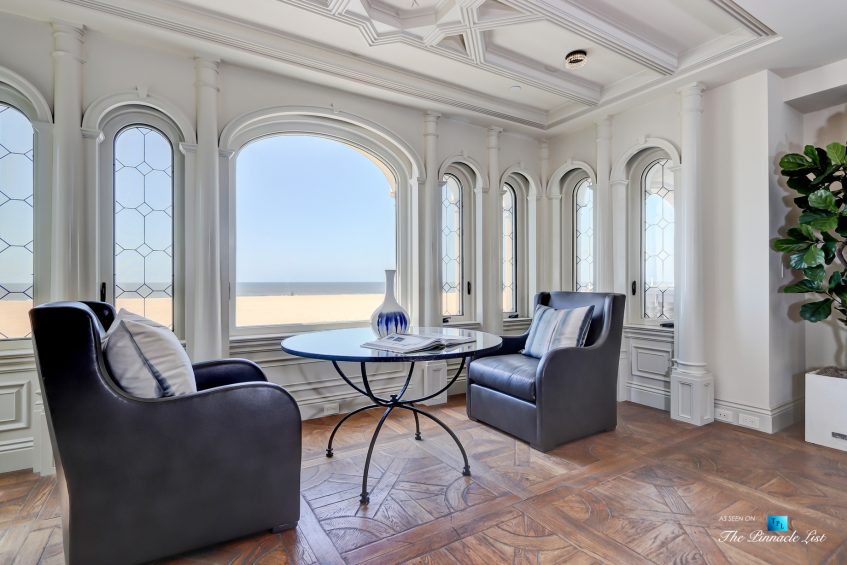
x=576 y=391
x=511 y=344
x=212 y=374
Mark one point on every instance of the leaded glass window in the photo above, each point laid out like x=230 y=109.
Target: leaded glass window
x=143 y=208
x=510 y=265
x=583 y=257
x=451 y=247
x=658 y=241
x=16 y=222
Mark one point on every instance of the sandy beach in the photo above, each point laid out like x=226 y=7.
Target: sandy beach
x=250 y=310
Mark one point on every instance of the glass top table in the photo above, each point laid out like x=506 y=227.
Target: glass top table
x=346 y=346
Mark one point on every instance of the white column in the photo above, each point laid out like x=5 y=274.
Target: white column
x=69 y=254
x=491 y=259
x=620 y=237
x=431 y=206
x=606 y=231
x=205 y=299
x=539 y=218
x=692 y=386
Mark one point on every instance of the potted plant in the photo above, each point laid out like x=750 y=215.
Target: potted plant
x=815 y=247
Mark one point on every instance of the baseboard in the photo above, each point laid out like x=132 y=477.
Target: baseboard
x=765 y=420
x=16 y=454
x=653 y=396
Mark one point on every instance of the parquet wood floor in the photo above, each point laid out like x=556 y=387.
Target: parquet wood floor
x=652 y=491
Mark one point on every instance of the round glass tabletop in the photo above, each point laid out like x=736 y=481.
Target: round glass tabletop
x=346 y=345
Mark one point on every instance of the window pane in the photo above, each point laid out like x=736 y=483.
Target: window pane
x=16 y=222
x=510 y=287
x=144 y=270
x=658 y=242
x=452 y=262
x=584 y=236
x=315 y=231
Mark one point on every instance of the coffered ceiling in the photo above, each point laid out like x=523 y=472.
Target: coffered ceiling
x=500 y=58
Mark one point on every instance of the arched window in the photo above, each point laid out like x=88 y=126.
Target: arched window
x=583 y=236
x=452 y=247
x=510 y=250
x=17 y=263
x=315 y=229
x=657 y=241
x=143 y=228
x=141 y=221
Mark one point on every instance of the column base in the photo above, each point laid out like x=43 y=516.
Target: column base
x=692 y=397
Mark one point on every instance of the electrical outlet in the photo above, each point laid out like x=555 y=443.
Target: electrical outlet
x=748 y=420
x=331 y=408
x=724 y=415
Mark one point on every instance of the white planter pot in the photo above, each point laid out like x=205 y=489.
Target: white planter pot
x=826 y=411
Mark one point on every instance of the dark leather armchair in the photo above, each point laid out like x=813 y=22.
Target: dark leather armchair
x=146 y=478
x=568 y=394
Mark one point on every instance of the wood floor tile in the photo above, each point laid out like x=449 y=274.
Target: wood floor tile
x=652 y=491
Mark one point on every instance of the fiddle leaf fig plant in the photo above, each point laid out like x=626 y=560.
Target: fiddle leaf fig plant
x=818 y=240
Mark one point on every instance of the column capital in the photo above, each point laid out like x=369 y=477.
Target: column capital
x=604 y=127
x=494 y=137
x=67 y=40
x=431 y=123
x=692 y=96
x=206 y=71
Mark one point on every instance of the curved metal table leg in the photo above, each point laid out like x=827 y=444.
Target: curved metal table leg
x=466 y=471
x=364 y=498
x=417 y=425
x=338 y=425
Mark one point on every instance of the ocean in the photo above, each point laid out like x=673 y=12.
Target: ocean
x=308 y=288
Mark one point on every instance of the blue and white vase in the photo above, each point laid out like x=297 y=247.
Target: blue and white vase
x=389 y=317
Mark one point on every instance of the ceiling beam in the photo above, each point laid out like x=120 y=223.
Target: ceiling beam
x=600 y=31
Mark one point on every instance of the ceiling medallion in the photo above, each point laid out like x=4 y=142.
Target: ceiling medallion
x=575 y=59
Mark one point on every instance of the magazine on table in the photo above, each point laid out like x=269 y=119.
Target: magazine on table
x=411 y=343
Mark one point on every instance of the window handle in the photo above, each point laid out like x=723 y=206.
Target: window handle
x=634 y=286
x=102 y=292
x=469 y=287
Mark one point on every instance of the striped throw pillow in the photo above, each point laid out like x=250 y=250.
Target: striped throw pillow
x=554 y=329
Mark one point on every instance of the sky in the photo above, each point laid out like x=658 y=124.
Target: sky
x=310 y=209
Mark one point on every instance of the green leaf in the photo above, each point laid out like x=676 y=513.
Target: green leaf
x=816 y=311
x=803 y=286
x=802 y=233
x=815 y=274
x=800 y=183
x=811 y=152
x=828 y=249
x=794 y=162
x=823 y=199
x=825 y=177
x=835 y=281
x=822 y=221
x=837 y=153
x=790 y=245
x=812 y=257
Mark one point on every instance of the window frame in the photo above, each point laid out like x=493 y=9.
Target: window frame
x=36 y=111
x=638 y=170
x=356 y=142
x=581 y=180
x=459 y=172
x=517 y=255
x=114 y=124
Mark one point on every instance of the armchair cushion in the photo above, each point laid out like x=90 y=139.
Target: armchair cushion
x=555 y=329
x=510 y=374
x=146 y=359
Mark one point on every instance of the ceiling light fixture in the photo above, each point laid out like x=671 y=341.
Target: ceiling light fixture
x=575 y=59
